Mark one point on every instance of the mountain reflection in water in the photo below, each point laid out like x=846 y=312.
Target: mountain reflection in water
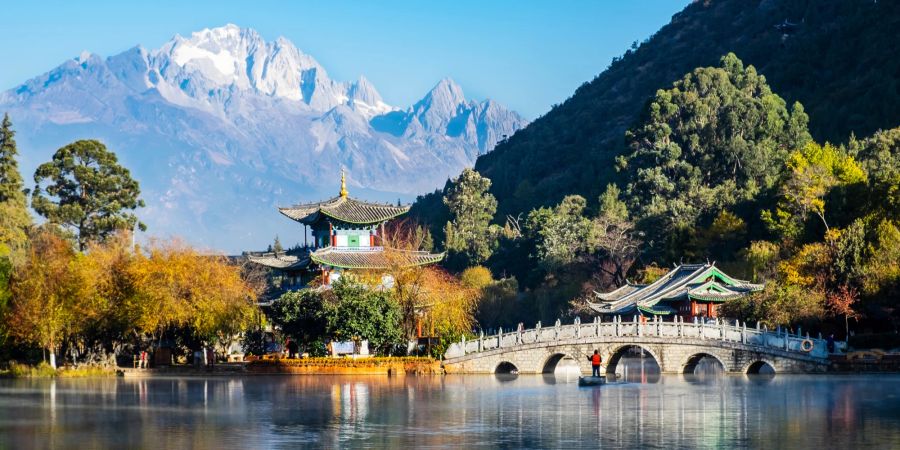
x=539 y=411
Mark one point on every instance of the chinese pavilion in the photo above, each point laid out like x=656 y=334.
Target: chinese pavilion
x=689 y=290
x=347 y=235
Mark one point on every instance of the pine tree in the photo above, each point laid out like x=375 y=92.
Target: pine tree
x=85 y=189
x=11 y=183
x=470 y=239
x=14 y=216
x=276 y=246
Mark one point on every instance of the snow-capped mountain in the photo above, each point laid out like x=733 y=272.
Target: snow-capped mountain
x=222 y=126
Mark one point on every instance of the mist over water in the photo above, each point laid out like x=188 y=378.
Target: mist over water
x=699 y=410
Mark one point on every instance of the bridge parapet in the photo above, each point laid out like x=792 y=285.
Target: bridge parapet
x=717 y=330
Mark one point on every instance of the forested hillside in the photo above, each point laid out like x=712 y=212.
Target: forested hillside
x=761 y=135
x=835 y=57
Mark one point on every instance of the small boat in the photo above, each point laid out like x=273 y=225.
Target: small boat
x=591 y=381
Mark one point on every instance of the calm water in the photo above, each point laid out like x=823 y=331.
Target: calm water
x=536 y=411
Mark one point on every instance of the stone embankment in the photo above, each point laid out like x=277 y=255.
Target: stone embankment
x=347 y=366
x=303 y=366
x=865 y=361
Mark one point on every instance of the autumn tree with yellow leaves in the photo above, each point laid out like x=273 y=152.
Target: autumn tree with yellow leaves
x=53 y=294
x=114 y=294
x=175 y=287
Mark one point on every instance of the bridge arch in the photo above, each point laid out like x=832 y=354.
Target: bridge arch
x=760 y=366
x=506 y=367
x=617 y=352
x=552 y=362
x=690 y=364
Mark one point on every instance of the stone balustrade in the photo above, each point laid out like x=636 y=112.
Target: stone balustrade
x=718 y=334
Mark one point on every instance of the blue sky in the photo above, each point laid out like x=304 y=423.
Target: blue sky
x=525 y=54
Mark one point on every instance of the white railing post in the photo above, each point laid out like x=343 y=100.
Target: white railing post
x=464 y=344
x=500 y=337
x=637 y=326
x=744 y=333
x=481 y=341
x=597 y=324
x=787 y=336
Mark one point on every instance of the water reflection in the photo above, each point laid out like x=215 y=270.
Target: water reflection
x=635 y=366
x=704 y=369
x=536 y=411
x=506 y=377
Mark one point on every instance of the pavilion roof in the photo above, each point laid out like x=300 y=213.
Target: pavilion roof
x=345 y=209
x=372 y=258
x=281 y=260
x=703 y=282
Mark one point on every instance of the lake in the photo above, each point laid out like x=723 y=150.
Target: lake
x=549 y=411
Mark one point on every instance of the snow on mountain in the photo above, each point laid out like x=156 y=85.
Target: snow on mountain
x=222 y=126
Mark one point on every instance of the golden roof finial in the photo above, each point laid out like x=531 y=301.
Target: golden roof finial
x=343 y=184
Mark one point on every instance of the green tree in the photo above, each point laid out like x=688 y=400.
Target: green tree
x=762 y=256
x=717 y=137
x=613 y=237
x=276 y=246
x=498 y=305
x=561 y=234
x=879 y=156
x=301 y=314
x=881 y=276
x=85 y=189
x=11 y=183
x=357 y=312
x=470 y=238
x=722 y=239
x=813 y=171
x=779 y=304
x=14 y=216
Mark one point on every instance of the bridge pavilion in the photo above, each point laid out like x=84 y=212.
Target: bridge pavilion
x=688 y=290
x=347 y=234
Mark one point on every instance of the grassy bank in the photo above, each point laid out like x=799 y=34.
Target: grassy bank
x=43 y=370
x=347 y=366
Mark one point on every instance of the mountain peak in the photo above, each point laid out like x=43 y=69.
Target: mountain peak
x=227 y=31
x=449 y=91
x=214 y=63
x=365 y=99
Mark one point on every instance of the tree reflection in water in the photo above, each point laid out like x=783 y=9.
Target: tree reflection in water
x=669 y=411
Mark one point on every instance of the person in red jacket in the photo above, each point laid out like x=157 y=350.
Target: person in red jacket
x=595 y=360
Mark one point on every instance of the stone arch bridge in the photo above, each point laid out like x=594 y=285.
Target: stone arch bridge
x=676 y=346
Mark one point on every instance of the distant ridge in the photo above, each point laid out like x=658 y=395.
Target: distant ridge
x=839 y=60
